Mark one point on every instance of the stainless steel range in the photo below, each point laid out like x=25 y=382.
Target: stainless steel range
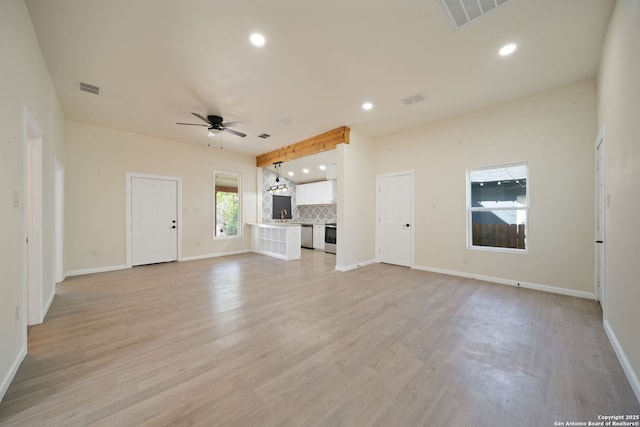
x=330 y=237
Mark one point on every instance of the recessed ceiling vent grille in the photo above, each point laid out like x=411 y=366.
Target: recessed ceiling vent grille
x=414 y=98
x=86 y=87
x=264 y=135
x=462 y=12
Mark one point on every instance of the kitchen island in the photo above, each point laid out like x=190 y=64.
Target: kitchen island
x=279 y=240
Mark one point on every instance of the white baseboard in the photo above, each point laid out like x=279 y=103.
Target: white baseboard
x=193 y=258
x=6 y=381
x=354 y=266
x=622 y=357
x=535 y=286
x=95 y=270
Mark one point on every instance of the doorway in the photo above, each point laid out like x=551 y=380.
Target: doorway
x=600 y=241
x=33 y=219
x=394 y=227
x=153 y=219
x=58 y=212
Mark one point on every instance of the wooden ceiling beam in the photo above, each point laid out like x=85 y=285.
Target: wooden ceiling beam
x=317 y=144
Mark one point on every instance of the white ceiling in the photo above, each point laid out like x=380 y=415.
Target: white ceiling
x=158 y=60
x=310 y=163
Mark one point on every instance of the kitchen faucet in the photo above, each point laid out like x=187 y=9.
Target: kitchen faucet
x=283 y=212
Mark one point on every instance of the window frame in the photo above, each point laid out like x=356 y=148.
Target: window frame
x=238 y=175
x=470 y=210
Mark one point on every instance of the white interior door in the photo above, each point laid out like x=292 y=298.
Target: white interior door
x=154 y=220
x=600 y=223
x=395 y=219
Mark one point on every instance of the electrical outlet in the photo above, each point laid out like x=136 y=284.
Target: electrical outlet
x=17 y=315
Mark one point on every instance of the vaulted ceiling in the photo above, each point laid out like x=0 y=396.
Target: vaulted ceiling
x=156 y=61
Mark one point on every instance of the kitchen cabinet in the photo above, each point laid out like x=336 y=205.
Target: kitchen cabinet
x=276 y=240
x=316 y=193
x=318 y=236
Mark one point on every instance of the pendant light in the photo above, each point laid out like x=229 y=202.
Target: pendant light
x=277 y=187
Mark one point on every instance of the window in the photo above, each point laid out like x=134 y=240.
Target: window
x=281 y=207
x=227 y=204
x=498 y=207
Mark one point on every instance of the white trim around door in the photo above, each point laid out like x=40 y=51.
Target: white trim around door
x=600 y=289
x=395 y=220
x=58 y=213
x=128 y=192
x=32 y=224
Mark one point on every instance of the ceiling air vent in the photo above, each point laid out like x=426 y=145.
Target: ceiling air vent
x=414 y=98
x=264 y=135
x=86 y=87
x=461 y=12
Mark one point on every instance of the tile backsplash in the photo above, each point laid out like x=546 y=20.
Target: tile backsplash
x=304 y=213
x=268 y=179
x=323 y=213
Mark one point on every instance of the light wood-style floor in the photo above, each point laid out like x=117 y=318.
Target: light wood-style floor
x=249 y=340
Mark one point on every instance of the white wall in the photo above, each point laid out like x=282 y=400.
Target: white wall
x=356 y=202
x=554 y=132
x=99 y=158
x=24 y=82
x=619 y=109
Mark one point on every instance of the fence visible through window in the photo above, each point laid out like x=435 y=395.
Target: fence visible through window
x=498 y=207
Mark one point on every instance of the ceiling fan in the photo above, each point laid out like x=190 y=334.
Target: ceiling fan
x=215 y=124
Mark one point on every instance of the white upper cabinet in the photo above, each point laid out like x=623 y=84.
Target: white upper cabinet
x=316 y=193
x=303 y=193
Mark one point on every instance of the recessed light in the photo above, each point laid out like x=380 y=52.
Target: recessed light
x=305 y=170
x=322 y=167
x=367 y=106
x=257 y=39
x=290 y=173
x=507 y=49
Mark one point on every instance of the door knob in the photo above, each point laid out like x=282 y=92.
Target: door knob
x=407 y=225
x=173 y=226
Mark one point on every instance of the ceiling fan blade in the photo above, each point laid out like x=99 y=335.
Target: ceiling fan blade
x=235 y=132
x=191 y=124
x=202 y=118
x=232 y=124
